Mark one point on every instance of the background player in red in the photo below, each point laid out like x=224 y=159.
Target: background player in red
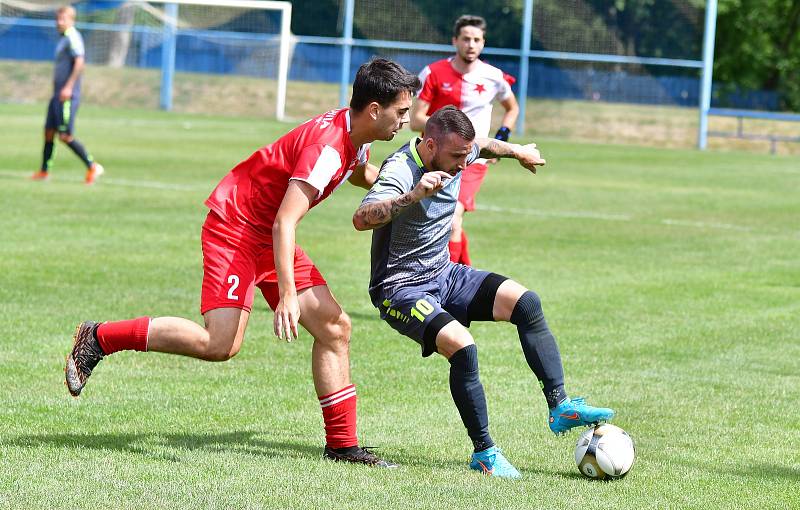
x=248 y=241
x=470 y=85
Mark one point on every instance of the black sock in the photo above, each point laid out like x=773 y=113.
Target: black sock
x=80 y=150
x=47 y=156
x=539 y=346
x=467 y=392
x=346 y=449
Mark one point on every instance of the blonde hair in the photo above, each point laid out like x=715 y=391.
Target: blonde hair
x=67 y=9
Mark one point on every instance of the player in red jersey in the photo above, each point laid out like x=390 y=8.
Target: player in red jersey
x=470 y=85
x=248 y=241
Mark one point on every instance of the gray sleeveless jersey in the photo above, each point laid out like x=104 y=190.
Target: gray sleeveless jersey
x=412 y=248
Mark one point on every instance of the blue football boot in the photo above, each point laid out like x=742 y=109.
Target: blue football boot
x=576 y=412
x=493 y=462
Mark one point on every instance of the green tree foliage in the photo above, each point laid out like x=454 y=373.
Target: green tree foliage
x=758 y=47
x=648 y=28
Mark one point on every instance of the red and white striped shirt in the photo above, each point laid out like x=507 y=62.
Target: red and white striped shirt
x=472 y=92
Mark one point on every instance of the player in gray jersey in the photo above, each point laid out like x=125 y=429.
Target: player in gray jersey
x=425 y=296
x=63 y=106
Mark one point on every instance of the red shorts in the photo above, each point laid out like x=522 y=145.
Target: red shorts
x=236 y=260
x=471 y=180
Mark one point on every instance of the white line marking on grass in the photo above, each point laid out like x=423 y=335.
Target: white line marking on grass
x=703 y=224
x=491 y=208
x=113 y=181
x=157 y=185
x=626 y=217
x=557 y=214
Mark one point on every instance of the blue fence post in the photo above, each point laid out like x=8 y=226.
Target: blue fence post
x=347 y=49
x=708 y=68
x=524 y=62
x=168 y=55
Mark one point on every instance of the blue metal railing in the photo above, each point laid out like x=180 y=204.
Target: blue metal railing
x=201 y=50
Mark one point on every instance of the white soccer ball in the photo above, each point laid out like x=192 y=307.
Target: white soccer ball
x=605 y=452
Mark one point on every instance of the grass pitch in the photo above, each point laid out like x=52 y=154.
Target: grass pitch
x=671 y=279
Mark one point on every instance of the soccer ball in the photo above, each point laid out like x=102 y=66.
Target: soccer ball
x=605 y=452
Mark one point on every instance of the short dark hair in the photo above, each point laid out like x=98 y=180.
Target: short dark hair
x=468 y=20
x=446 y=120
x=381 y=80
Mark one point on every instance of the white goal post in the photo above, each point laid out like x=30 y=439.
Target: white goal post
x=284 y=7
x=242 y=38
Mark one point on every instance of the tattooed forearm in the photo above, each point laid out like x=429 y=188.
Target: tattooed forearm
x=491 y=148
x=377 y=214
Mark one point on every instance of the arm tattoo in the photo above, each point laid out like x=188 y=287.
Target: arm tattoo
x=380 y=213
x=491 y=148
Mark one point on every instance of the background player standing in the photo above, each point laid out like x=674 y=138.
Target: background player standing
x=433 y=300
x=248 y=241
x=63 y=106
x=470 y=85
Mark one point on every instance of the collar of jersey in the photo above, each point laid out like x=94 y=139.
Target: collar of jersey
x=412 y=146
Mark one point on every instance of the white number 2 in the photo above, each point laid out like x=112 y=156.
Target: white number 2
x=234 y=281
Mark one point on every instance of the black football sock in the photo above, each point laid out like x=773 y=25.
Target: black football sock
x=467 y=392
x=47 y=156
x=539 y=346
x=346 y=450
x=78 y=148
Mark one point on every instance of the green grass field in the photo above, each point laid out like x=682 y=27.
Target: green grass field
x=670 y=277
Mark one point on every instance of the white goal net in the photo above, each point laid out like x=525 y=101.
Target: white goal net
x=196 y=48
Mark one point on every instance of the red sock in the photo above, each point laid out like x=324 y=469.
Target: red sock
x=465 y=249
x=123 y=335
x=339 y=413
x=455 y=251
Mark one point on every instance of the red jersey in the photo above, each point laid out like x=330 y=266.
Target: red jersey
x=318 y=152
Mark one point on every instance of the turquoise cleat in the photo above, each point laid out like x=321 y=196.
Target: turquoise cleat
x=575 y=413
x=493 y=462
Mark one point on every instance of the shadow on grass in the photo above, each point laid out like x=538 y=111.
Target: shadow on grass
x=762 y=471
x=757 y=471
x=153 y=445
x=163 y=447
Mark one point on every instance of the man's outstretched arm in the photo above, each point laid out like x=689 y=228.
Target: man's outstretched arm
x=527 y=155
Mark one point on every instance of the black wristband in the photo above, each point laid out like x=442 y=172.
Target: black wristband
x=502 y=134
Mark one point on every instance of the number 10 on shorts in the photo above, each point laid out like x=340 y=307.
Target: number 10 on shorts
x=421 y=310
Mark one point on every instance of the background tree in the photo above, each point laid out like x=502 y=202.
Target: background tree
x=758 y=48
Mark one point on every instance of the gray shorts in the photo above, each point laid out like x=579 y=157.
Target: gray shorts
x=459 y=293
x=61 y=115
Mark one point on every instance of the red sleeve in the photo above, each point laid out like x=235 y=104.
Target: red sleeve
x=316 y=165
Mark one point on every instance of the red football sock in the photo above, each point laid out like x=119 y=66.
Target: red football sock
x=455 y=251
x=339 y=413
x=465 y=249
x=123 y=335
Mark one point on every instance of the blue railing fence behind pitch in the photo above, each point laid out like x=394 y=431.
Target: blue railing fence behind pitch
x=601 y=77
x=568 y=71
x=547 y=64
x=740 y=133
